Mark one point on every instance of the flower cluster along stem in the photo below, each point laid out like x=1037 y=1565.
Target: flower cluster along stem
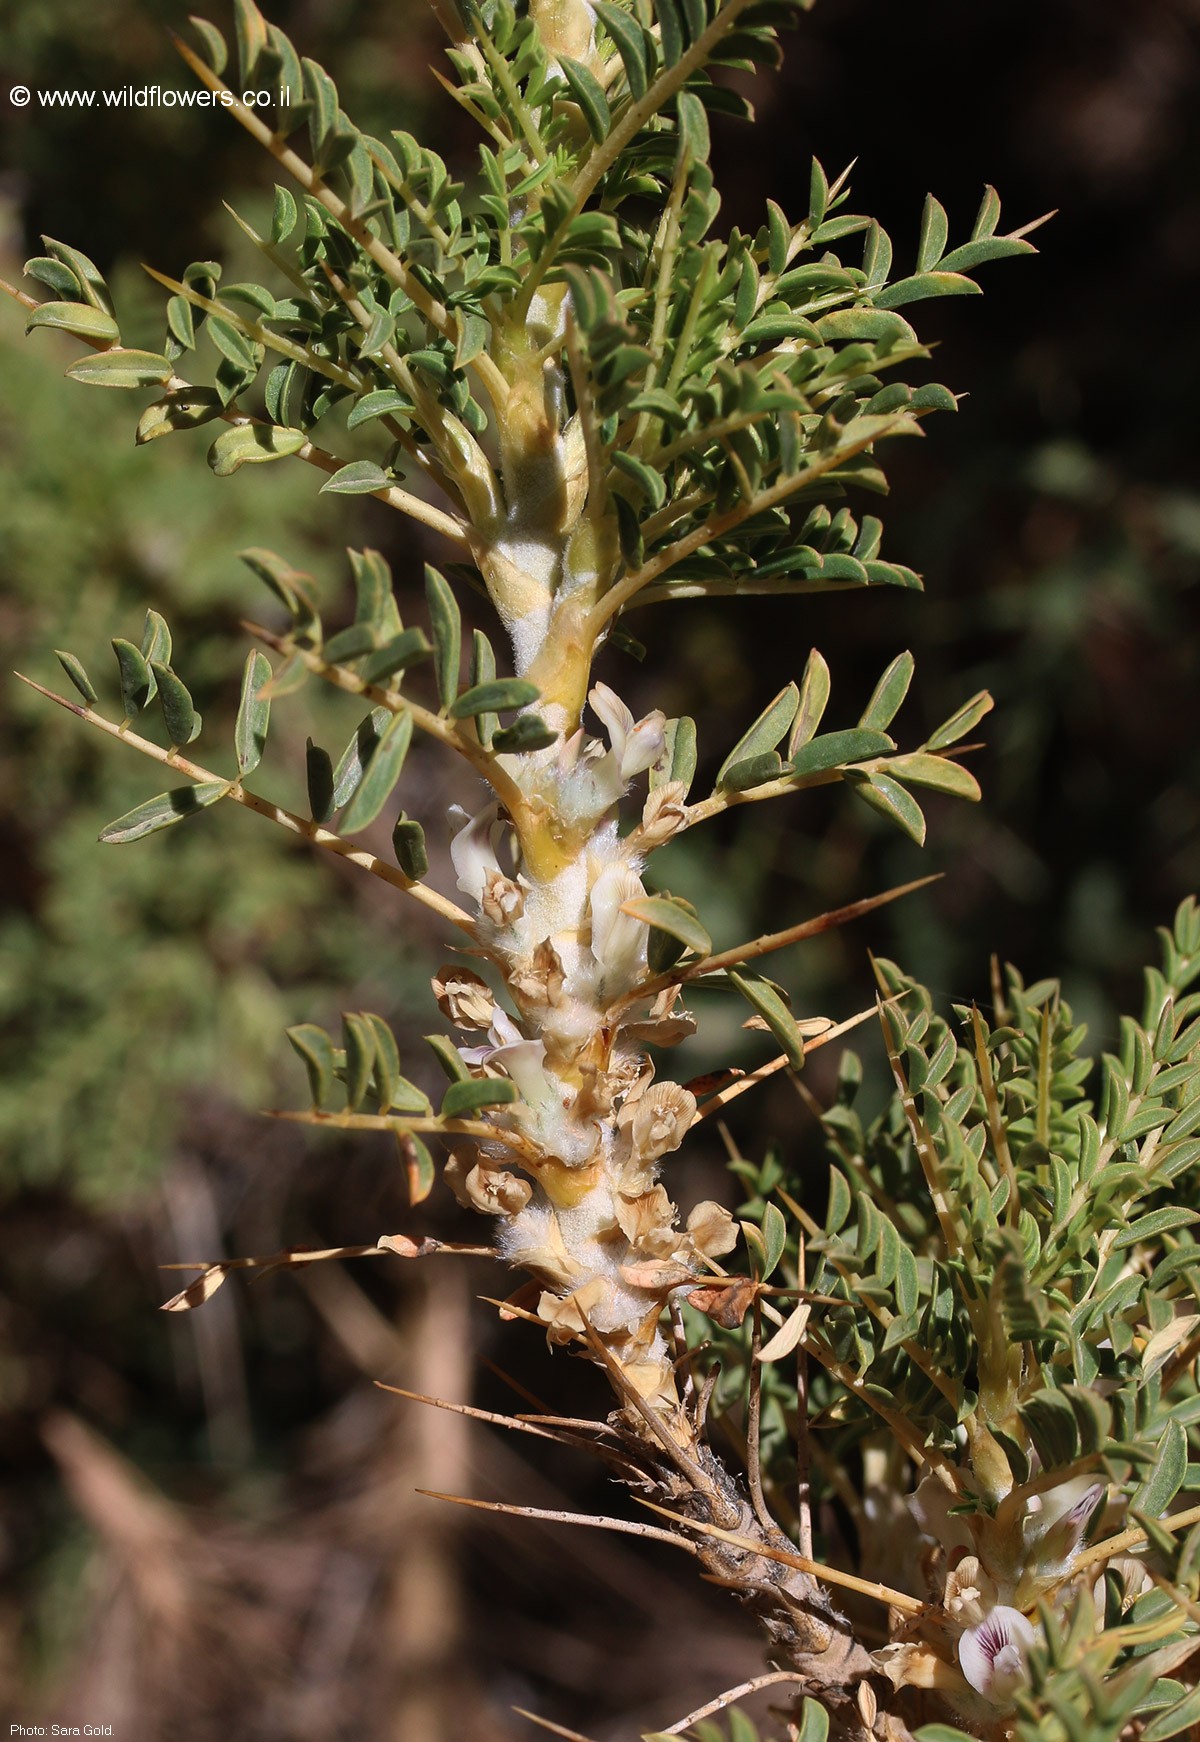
x=624 y=402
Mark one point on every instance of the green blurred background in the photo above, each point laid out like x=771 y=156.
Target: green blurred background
x=208 y=1524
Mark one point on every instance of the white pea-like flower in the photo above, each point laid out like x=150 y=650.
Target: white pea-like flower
x=636 y=745
x=618 y=940
x=994 y=1656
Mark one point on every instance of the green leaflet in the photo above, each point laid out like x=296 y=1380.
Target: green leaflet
x=449 y=1057
x=254 y=713
x=380 y=775
x=359 y=1045
x=408 y=844
x=766 y=1002
x=360 y=478
x=79 y=318
x=78 y=676
x=767 y=731
x=318 y=767
x=375 y=601
x=673 y=917
x=1166 y=1476
x=179 y=714
x=889 y=693
x=814 y=698
x=348 y=644
x=163 y=812
x=935 y=772
x=408 y=648
x=122 y=369
x=253 y=444
x=587 y=91
x=960 y=723
x=836 y=749
x=471 y=1094
x=494 y=696
x=891 y=800
x=445 y=622
x=357 y=754
x=316 y=1050
x=528 y=732
x=137 y=680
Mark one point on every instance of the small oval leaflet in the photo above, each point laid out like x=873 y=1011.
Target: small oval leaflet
x=253 y=444
x=471 y=1094
x=79 y=318
x=763 y=999
x=445 y=621
x=383 y=770
x=78 y=676
x=766 y=732
x=408 y=844
x=359 y=478
x=254 y=713
x=351 y=643
x=669 y=916
x=418 y=1166
x=960 y=723
x=318 y=768
x=893 y=801
x=137 y=680
x=357 y=754
x=936 y=772
x=500 y=693
x=179 y=714
x=407 y=648
x=889 y=693
x=449 y=1057
x=528 y=732
x=316 y=1049
x=835 y=749
x=358 y=1039
x=121 y=368
x=162 y=812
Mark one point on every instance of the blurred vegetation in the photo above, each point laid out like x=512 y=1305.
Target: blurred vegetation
x=1057 y=523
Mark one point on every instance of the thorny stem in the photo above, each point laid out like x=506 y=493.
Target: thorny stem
x=722 y=1701
x=881 y=1593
